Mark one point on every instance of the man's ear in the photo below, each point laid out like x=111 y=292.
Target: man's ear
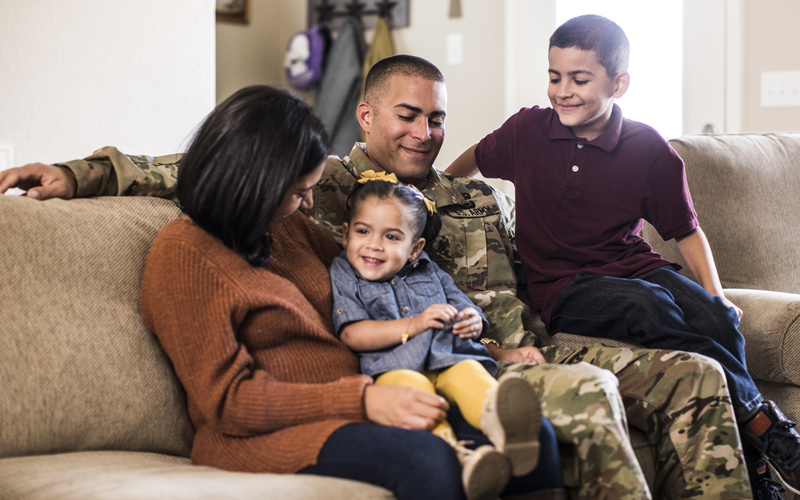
x=344 y=235
x=416 y=249
x=621 y=82
x=364 y=113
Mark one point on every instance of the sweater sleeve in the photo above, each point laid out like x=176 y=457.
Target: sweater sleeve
x=195 y=311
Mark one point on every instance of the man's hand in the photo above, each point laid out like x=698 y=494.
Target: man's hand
x=518 y=355
x=470 y=326
x=40 y=181
x=404 y=407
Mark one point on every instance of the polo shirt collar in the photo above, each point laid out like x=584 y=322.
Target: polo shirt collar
x=439 y=187
x=607 y=141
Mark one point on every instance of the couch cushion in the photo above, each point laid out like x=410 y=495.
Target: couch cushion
x=746 y=189
x=146 y=476
x=78 y=368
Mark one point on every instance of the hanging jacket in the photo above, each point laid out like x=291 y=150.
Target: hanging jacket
x=339 y=91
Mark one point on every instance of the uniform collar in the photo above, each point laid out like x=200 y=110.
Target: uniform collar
x=607 y=141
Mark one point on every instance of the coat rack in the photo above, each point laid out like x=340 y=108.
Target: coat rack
x=331 y=12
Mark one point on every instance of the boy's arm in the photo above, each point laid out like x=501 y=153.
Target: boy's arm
x=696 y=252
x=465 y=165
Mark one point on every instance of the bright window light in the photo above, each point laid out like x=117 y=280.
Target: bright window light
x=655 y=32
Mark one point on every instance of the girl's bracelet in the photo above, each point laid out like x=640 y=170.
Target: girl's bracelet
x=405 y=336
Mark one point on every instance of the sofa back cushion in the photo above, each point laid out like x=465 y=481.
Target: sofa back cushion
x=746 y=190
x=79 y=370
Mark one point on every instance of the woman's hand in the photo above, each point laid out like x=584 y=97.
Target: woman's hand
x=435 y=316
x=404 y=407
x=470 y=326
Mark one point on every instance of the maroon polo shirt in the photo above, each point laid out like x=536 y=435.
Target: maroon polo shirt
x=580 y=204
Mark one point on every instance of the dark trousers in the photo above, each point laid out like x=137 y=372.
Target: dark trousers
x=662 y=309
x=411 y=464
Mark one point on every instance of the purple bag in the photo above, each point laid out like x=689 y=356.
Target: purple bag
x=305 y=57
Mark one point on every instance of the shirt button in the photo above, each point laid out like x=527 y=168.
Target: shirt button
x=405 y=309
x=394 y=281
x=575 y=168
x=580 y=146
x=340 y=311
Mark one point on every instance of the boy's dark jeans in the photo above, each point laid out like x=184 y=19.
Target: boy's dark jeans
x=660 y=309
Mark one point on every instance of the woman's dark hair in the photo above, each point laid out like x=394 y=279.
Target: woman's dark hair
x=243 y=159
x=426 y=225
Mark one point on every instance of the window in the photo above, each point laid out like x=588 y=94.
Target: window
x=655 y=32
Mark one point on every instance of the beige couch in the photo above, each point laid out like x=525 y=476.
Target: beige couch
x=93 y=410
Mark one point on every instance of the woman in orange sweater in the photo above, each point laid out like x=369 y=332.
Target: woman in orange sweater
x=237 y=292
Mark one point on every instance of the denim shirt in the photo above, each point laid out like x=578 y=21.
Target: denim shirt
x=418 y=285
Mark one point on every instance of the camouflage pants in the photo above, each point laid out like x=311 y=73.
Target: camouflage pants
x=678 y=400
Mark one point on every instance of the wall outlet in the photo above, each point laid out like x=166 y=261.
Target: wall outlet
x=780 y=89
x=6 y=162
x=6 y=156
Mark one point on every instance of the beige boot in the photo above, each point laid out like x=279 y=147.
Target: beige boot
x=484 y=472
x=511 y=420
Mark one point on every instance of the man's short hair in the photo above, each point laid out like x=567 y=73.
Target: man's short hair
x=381 y=72
x=598 y=34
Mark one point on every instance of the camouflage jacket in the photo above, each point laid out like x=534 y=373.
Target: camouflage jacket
x=474 y=246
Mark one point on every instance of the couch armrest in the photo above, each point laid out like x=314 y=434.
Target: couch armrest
x=771 y=328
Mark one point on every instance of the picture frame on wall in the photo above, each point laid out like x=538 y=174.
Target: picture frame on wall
x=235 y=11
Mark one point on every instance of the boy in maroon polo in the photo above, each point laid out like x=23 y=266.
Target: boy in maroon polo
x=585 y=179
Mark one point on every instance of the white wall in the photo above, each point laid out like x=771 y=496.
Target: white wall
x=80 y=74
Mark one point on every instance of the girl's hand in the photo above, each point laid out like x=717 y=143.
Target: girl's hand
x=470 y=326
x=404 y=407
x=435 y=316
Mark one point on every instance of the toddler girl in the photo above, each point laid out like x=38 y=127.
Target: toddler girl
x=411 y=325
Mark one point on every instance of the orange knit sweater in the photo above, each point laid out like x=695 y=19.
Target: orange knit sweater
x=265 y=379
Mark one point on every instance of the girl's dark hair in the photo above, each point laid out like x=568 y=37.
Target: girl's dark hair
x=243 y=159
x=426 y=225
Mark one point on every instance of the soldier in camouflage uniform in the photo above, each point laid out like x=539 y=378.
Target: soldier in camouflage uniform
x=678 y=400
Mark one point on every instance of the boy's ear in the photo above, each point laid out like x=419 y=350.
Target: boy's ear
x=621 y=82
x=364 y=113
x=344 y=235
x=416 y=249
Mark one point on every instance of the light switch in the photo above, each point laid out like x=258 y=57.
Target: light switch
x=780 y=89
x=455 y=49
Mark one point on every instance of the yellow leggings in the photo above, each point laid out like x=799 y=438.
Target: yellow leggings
x=464 y=384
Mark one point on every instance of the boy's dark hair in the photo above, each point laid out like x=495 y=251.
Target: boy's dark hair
x=598 y=34
x=404 y=64
x=426 y=225
x=242 y=161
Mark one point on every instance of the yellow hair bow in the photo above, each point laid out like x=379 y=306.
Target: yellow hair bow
x=429 y=204
x=371 y=175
